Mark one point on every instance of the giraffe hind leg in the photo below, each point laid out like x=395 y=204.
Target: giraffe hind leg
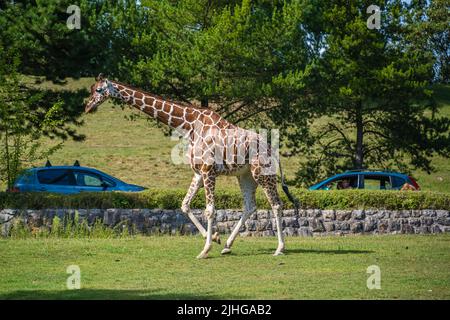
x=248 y=188
x=269 y=185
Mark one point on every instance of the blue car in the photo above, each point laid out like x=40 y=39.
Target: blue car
x=69 y=180
x=369 y=180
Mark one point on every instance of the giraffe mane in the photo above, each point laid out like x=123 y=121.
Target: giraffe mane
x=180 y=103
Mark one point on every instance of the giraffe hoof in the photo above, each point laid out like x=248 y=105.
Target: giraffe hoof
x=216 y=238
x=202 y=255
x=226 y=251
x=278 y=253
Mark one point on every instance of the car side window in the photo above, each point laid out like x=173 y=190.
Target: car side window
x=342 y=183
x=89 y=179
x=373 y=182
x=61 y=177
x=85 y=179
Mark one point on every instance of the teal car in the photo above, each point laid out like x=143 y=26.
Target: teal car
x=370 y=180
x=69 y=180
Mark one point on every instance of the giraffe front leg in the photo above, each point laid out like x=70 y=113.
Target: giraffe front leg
x=209 y=184
x=196 y=184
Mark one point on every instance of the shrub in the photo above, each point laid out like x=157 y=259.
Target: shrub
x=229 y=199
x=70 y=227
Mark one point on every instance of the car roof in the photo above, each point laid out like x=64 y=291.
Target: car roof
x=375 y=172
x=75 y=168
x=65 y=167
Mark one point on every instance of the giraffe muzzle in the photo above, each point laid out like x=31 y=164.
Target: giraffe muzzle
x=89 y=107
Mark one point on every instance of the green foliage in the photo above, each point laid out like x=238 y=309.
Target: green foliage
x=226 y=199
x=286 y=64
x=26 y=114
x=293 y=65
x=70 y=227
x=19 y=229
x=429 y=31
x=37 y=30
x=242 y=59
x=24 y=120
x=20 y=129
x=375 y=86
x=57 y=227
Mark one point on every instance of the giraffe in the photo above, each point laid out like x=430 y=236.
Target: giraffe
x=211 y=139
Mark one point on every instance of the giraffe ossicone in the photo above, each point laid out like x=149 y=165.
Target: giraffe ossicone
x=215 y=147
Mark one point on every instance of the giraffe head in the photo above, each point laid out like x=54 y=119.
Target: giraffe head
x=100 y=91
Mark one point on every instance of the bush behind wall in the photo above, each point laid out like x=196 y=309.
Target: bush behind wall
x=226 y=199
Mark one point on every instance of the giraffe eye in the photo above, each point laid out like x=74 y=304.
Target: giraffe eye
x=99 y=90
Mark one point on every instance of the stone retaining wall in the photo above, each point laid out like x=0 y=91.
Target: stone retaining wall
x=310 y=222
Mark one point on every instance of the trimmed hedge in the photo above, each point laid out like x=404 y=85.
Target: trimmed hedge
x=171 y=199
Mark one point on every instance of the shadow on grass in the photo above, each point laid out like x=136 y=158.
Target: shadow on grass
x=104 y=294
x=300 y=251
x=320 y=251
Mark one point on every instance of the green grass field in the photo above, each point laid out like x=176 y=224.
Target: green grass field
x=412 y=267
x=138 y=151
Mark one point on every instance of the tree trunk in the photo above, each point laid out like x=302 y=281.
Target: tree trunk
x=359 y=161
x=204 y=102
x=7 y=164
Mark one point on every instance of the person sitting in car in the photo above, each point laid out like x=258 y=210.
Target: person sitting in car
x=344 y=184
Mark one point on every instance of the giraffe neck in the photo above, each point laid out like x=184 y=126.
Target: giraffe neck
x=170 y=113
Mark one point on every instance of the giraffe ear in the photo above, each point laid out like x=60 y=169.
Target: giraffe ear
x=100 y=77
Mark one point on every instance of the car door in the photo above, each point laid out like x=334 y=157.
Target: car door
x=56 y=180
x=91 y=182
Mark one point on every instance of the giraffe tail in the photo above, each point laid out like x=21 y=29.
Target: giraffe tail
x=285 y=188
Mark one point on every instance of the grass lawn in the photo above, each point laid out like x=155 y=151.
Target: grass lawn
x=412 y=267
